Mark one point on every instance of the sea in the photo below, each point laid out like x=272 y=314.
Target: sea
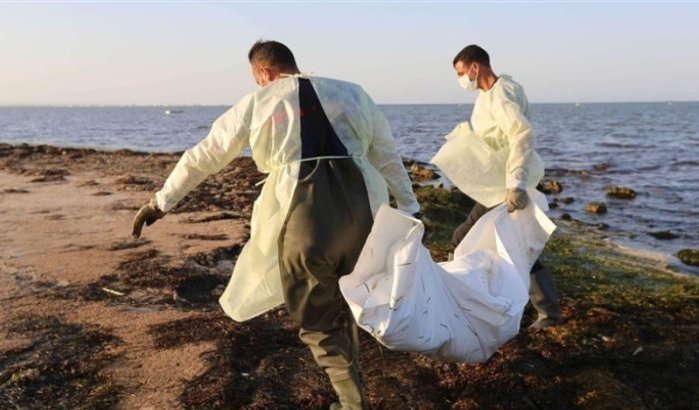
x=652 y=148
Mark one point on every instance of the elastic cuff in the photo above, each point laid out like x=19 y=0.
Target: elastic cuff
x=411 y=209
x=161 y=202
x=517 y=185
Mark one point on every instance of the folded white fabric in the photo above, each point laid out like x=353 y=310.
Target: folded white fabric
x=461 y=310
x=478 y=166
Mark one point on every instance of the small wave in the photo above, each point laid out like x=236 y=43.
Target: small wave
x=618 y=145
x=685 y=163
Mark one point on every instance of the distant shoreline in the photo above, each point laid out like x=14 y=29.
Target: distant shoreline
x=380 y=104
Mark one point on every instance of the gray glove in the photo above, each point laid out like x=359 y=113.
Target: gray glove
x=148 y=214
x=426 y=222
x=460 y=232
x=516 y=199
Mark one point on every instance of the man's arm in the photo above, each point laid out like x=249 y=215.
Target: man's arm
x=228 y=137
x=384 y=157
x=511 y=120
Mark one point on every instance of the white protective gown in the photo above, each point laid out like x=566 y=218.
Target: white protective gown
x=267 y=121
x=496 y=151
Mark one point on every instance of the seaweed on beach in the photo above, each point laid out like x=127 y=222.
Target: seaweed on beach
x=62 y=366
x=146 y=278
x=258 y=364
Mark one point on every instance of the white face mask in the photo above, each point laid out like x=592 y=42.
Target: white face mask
x=466 y=83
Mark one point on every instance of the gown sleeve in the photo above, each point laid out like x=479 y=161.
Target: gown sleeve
x=228 y=136
x=512 y=121
x=384 y=157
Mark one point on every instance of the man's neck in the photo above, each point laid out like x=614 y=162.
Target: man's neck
x=291 y=72
x=486 y=80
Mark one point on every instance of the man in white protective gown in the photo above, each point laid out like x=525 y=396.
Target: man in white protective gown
x=466 y=308
x=331 y=162
x=501 y=117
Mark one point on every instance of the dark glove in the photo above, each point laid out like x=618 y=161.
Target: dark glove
x=426 y=222
x=148 y=214
x=516 y=199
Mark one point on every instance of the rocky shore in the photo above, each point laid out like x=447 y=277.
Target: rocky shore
x=94 y=319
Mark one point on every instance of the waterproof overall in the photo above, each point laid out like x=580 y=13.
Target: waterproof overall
x=327 y=224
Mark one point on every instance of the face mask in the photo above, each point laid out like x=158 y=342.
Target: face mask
x=466 y=83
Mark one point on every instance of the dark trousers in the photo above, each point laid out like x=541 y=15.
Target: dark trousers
x=328 y=222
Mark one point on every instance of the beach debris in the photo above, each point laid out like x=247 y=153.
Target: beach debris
x=127 y=244
x=101 y=193
x=663 y=235
x=126 y=205
x=689 y=256
x=15 y=191
x=128 y=182
x=550 y=186
x=113 y=292
x=204 y=237
x=621 y=193
x=47 y=174
x=90 y=182
x=215 y=217
x=132 y=180
x=596 y=208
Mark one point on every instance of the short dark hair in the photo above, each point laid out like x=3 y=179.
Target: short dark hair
x=472 y=54
x=273 y=53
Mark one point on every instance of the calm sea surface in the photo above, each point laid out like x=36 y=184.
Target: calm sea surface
x=650 y=147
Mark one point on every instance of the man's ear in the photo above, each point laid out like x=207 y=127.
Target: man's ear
x=267 y=74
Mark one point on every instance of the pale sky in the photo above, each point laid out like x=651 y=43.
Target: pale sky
x=64 y=53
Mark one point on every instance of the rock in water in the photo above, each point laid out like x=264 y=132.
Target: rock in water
x=550 y=186
x=663 y=235
x=689 y=256
x=596 y=207
x=422 y=174
x=621 y=193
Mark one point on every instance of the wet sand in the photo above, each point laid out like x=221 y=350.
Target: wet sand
x=92 y=318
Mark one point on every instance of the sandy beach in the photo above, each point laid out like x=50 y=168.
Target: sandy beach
x=92 y=318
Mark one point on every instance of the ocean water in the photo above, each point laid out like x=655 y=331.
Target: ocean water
x=652 y=148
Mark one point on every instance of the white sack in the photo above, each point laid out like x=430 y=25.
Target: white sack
x=461 y=310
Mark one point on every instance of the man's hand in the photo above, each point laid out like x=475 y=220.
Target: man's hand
x=148 y=214
x=516 y=199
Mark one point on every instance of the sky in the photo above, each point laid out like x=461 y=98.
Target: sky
x=181 y=53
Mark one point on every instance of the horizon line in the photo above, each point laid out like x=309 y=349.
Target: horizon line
x=107 y=105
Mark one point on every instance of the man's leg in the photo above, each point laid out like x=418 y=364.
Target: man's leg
x=544 y=298
x=460 y=232
x=326 y=228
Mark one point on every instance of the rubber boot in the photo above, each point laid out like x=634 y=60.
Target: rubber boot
x=544 y=298
x=350 y=392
